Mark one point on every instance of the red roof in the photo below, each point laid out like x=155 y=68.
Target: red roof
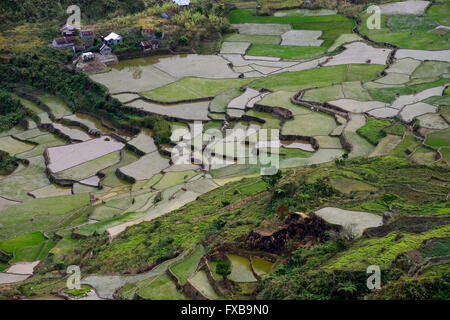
x=148 y=31
x=148 y=43
x=87 y=32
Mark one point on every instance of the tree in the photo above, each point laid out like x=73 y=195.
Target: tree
x=272 y=180
x=223 y=269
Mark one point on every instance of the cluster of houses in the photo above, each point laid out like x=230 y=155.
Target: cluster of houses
x=68 y=33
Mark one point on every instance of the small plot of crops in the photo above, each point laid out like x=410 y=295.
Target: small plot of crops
x=440 y=12
x=269 y=121
x=386 y=145
x=430 y=69
x=146 y=167
x=171 y=179
x=160 y=288
x=432 y=121
x=409 y=112
x=35 y=215
x=220 y=101
x=193 y=88
x=283 y=99
x=28 y=178
x=234 y=47
x=73 y=132
x=353 y=221
x=254 y=39
x=261 y=266
x=44 y=141
x=313 y=124
x=63 y=247
x=57 y=106
x=403 y=37
x=105 y=213
x=406 y=146
x=359 y=53
x=439 y=139
x=26 y=247
x=194 y=65
x=307 y=38
x=133 y=75
x=200 y=281
x=343 y=39
x=320 y=156
x=331 y=27
x=241 y=270
x=14 y=146
x=188 y=266
x=318 y=77
x=51 y=191
x=64 y=157
x=184 y=111
x=327 y=142
x=89 y=168
x=347 y=186
x=424 y=156
x=144 y=141
x=324 y=94
x=404 y=66
x=411 y=23
x=88 y=121
x=373 y=130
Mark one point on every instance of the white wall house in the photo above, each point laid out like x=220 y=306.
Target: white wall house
x=182 y=2
x=113 y=38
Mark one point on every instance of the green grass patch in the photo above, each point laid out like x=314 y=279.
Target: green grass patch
x=410 y=39
x=439 y=139
x=411 y=23
x=187 y=267
x=22 y=241
x=39 y=214
x=440 y=12
x=373 y=130
x=332 y=25
x=381 y=251
x=83 y=291
x=160 y=288
x=220 y=101
x=318 y=77
x=363 y=72
x=397 y=129
x=285 y=52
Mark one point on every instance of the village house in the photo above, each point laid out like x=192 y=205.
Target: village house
x=86 y=34
x=182 y=2
x=87 y=56
x=77 y=49
x=105 y=50
x=67 y=30
x=149 y=44
x=83 y=47
x=63 y=42
x=113 y=38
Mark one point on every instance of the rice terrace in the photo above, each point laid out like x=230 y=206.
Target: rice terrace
x=225 y=150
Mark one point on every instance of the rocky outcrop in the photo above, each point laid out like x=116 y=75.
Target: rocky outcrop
x=274 y=234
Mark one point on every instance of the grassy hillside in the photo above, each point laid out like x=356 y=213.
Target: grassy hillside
x=15 y=12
